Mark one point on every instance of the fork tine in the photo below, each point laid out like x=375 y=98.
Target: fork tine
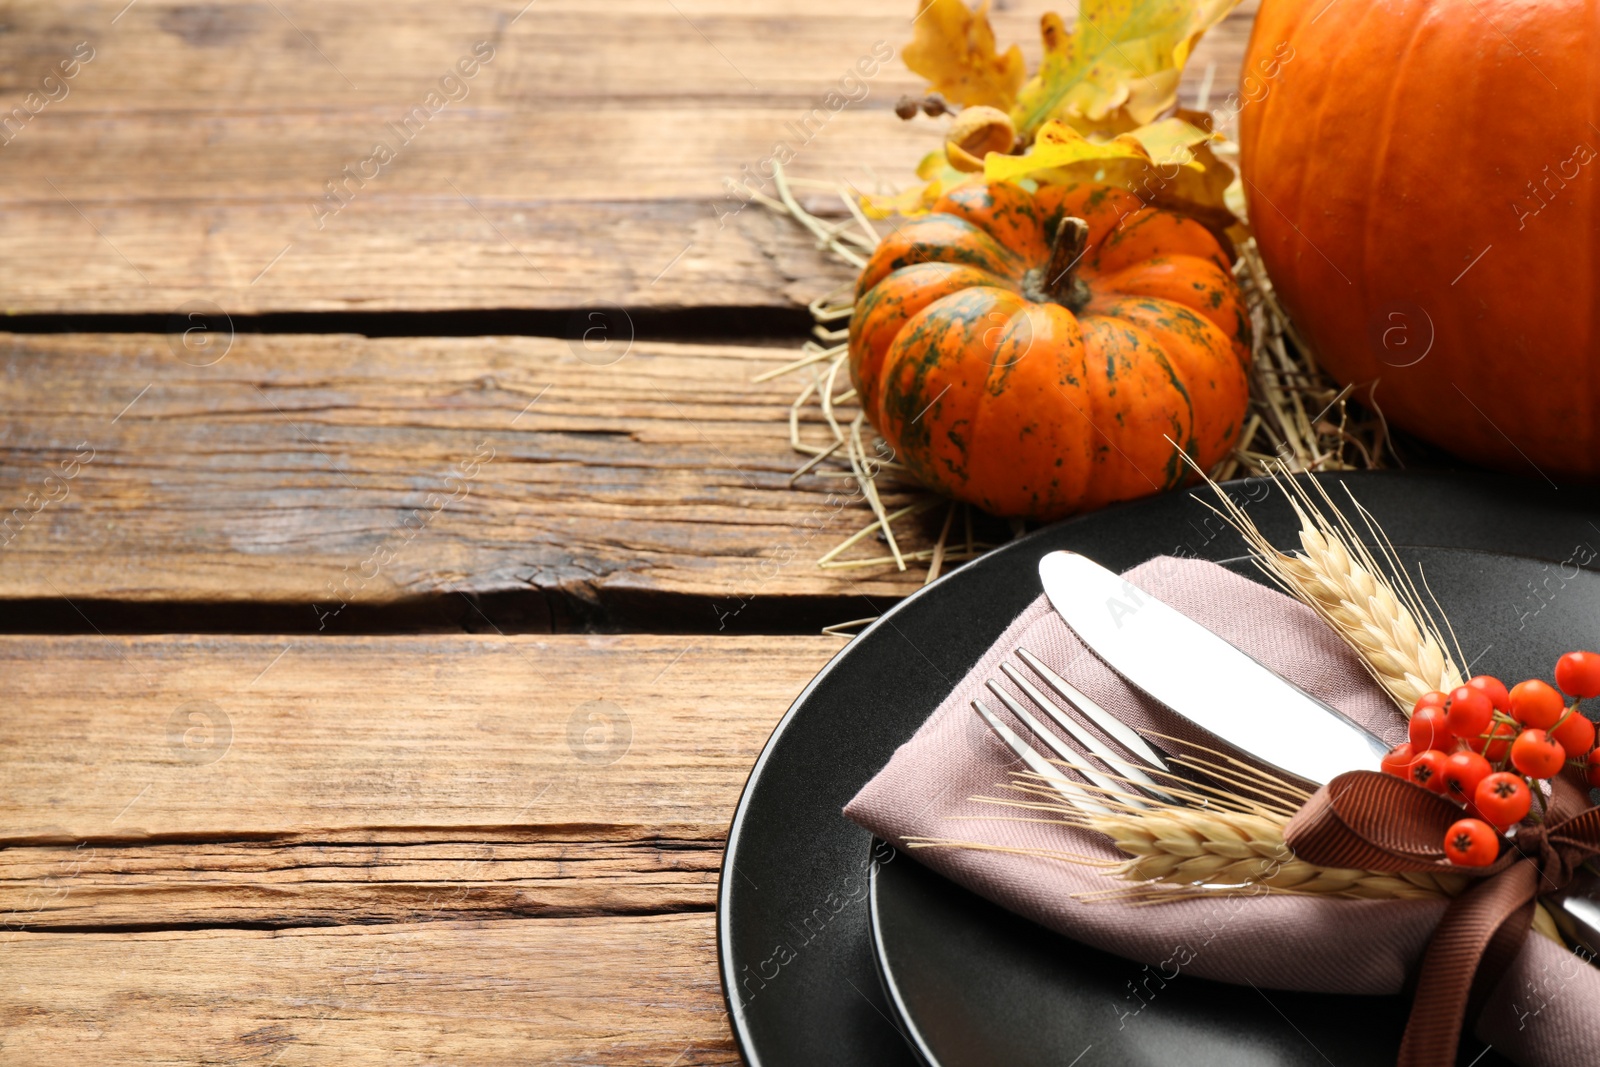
x=1115 y=728
x=1106 y=755
x=1064 y=752
x=1070 y=791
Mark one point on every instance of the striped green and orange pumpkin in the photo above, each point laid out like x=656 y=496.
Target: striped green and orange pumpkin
x=1033 y=352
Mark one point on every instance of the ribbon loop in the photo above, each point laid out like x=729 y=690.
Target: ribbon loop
x=1378 y=822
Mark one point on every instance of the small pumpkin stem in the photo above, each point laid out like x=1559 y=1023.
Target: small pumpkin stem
x=1061 y=281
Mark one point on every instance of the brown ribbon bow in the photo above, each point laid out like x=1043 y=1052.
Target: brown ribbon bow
x=1378 y=822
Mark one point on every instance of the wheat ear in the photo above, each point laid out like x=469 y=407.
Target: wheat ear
x=1209 y=849
x=1176 y=852
x=1349 y=586
x=1212 y=840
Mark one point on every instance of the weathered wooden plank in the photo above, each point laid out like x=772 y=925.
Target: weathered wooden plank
x=420 y=741
x=190 y=154
x=318 y=478
x=339 y=882
x=617 y=991
x=404 y=781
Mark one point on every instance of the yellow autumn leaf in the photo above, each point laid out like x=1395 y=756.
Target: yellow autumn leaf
x=1120 y=54
x=953 y=47
x=1173 y=139
x=917 y=200
x=1059 y=145
x=1168 y=141
x=1167 y=164
x=938 y=177
x=1199 y=187
x=1198 y=191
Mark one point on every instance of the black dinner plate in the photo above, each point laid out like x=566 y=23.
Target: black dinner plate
x=973 y=985
x=1510 y=559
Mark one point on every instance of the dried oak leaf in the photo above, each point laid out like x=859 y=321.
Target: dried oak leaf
x=1123 y=55
x=1058 y=147
x=953 y=47
x=1168 y=163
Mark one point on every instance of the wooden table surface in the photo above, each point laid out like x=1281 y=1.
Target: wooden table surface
x=383 y=663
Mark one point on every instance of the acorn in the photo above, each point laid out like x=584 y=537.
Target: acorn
x=975 y=133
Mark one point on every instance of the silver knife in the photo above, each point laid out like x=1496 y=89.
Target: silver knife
x=1204 y=679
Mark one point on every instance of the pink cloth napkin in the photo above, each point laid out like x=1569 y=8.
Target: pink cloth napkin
x=1543 y=1011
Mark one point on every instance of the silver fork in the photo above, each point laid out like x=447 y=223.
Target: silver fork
x=1097 y=750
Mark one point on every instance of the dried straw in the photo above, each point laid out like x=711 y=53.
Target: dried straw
x=1299 y=419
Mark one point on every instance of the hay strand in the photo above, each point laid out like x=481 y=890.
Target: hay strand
x=1298 y=420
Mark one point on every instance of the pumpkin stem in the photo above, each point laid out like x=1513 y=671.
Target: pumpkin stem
x=1061 y=282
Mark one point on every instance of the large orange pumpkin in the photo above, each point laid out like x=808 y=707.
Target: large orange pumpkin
x=1033 y=353
x=1423 y=184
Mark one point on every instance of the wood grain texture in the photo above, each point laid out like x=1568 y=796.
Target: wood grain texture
x=620 y=992
x=466 y=848
x=299 y=474
x=584 y=161
x=383 y=790
x=338 y=881
x=417 y=740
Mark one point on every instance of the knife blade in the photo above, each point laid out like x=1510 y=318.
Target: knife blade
x=1202 y=677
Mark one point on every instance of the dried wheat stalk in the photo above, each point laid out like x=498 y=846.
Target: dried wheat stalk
x=1185 y=849
x=1178 y=851
x=1349 y=586
x=1218 y=838
x=1199 y=848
